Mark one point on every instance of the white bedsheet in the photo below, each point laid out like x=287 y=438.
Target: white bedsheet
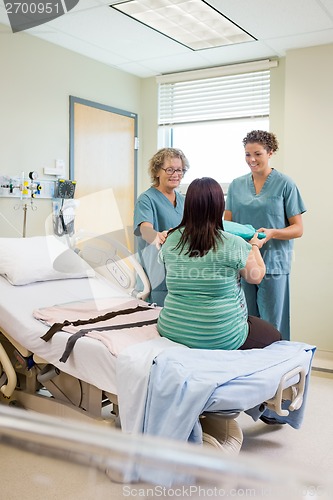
x=90 y=361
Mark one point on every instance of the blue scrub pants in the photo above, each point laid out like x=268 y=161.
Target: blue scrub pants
x=270 y=301
x=155 y=272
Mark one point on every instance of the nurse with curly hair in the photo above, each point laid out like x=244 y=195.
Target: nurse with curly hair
x=271 y=202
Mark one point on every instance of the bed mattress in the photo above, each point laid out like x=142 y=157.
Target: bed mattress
x=91 y=361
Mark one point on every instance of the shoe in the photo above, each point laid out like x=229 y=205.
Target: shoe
x=270 y=420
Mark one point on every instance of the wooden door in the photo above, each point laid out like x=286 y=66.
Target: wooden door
x=103 y=163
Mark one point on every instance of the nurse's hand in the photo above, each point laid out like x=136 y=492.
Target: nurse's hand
x=160 y=239
x=270 y=233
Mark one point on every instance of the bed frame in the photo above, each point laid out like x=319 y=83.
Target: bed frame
x=32 y=383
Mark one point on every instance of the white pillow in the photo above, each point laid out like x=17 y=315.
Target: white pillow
x=40 y=258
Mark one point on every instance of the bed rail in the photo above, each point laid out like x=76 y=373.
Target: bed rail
x=8 y=378
x=294 y=393
x=115 y=262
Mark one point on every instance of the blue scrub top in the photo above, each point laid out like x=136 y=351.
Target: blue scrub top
x=152 y=206
x=278 y=200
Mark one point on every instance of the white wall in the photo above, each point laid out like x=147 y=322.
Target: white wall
x=277 y=111
x=308 y=141
x=149 y=143
x=301 y=116
x=36 y=81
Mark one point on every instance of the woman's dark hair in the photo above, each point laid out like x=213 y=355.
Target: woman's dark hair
x=202 y=218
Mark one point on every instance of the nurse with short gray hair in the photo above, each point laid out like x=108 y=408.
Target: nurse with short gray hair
x=157 y=210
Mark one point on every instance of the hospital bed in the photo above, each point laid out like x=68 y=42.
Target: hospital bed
x=111 y=385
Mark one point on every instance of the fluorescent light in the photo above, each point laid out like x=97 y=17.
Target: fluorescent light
x=192 y=23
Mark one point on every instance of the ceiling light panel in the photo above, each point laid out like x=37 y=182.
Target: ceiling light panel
x=192 y=23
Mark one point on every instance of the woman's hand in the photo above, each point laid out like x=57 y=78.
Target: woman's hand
x=256 y=241
x=255 y=268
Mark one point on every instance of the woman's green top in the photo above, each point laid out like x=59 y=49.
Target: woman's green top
x=205 y=306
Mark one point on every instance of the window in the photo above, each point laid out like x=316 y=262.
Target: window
x=208 y=118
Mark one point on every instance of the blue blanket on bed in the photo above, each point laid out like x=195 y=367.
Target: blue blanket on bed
x=186 y=382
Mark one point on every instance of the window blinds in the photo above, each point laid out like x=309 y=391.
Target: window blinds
x=243 y=95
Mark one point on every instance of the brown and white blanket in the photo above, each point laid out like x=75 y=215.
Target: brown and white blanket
x=117 y=322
